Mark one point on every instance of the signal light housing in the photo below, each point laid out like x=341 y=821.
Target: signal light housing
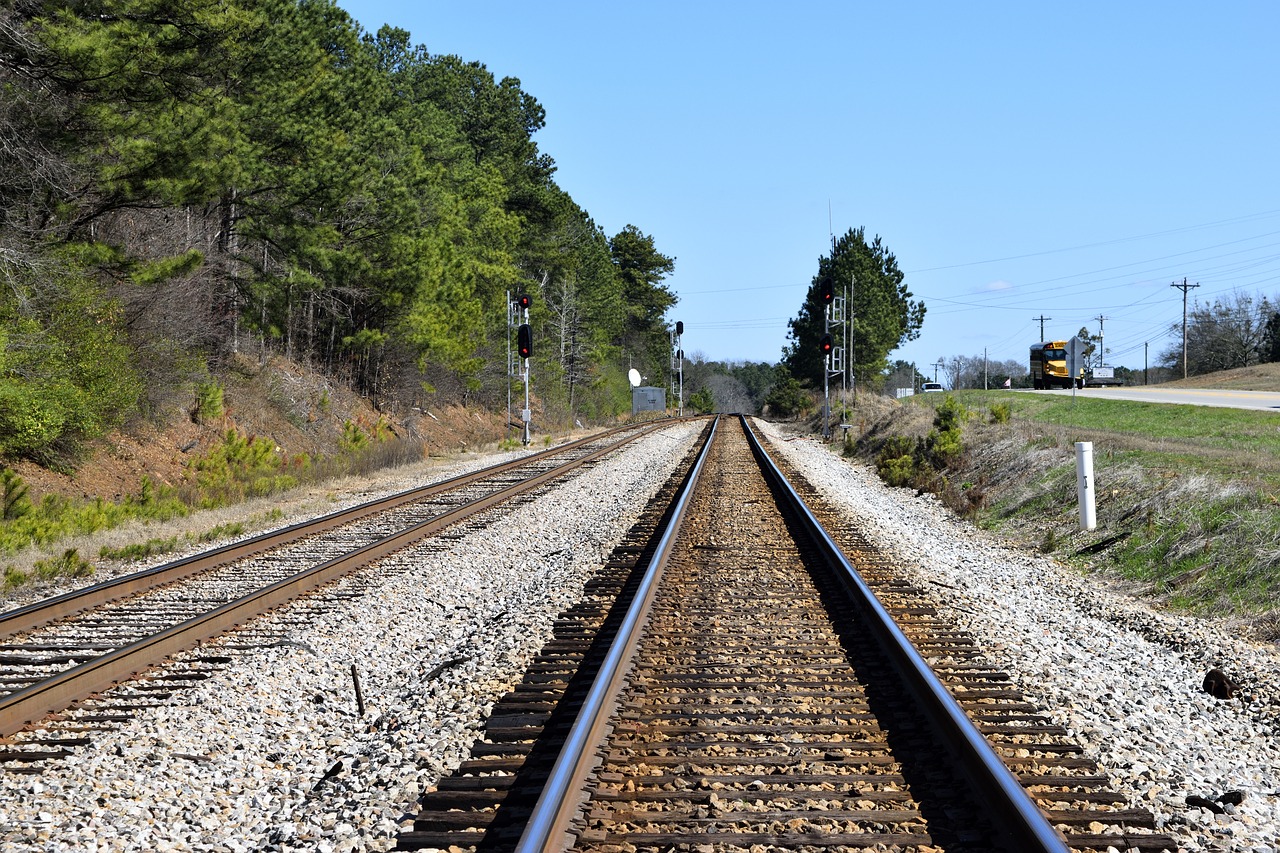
x=524 y=340
x=826 y=344
x=524 y=300
x=827 y=292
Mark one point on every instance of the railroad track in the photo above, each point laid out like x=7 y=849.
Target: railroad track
x=730 y=683
x=58 y=652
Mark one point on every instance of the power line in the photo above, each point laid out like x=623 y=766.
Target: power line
x=1250 y=217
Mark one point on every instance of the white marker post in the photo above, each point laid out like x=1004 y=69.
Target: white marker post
x=1084 y=484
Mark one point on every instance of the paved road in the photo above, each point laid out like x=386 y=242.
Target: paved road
x=1268 y=400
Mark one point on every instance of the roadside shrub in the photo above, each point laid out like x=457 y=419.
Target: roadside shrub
x=943 y=447
x=139 y=551
x=897 y=461
x=897 y=471
x=14 y=577
x=951 y=415
x=1000 y=413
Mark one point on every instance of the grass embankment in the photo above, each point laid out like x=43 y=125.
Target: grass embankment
x=1186 y=495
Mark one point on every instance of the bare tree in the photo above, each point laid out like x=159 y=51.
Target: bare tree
x=1229 y=333
x=958 y=370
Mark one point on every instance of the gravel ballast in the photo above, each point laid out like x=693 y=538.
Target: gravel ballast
x=1125 y=679
x=271 y=754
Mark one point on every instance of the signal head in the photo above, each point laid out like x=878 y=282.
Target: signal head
x=524 y=300
x=524 y=340
x=826 y=344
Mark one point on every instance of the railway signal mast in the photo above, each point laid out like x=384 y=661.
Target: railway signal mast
x=832 y=355
x=677 y=367
x=524 y=349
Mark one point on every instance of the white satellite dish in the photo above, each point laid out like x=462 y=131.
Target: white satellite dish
x=633 y=376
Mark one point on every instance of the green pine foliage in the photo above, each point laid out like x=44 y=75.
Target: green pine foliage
x=883 y=314
x=702 y=401
x=237 y=468
x=203 y=175
x=920 y=462
x=13 y=496
x=787 y=398
x=65 y=368
x=54 y=518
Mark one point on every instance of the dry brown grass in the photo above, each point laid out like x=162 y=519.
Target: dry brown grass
x=1259 y=377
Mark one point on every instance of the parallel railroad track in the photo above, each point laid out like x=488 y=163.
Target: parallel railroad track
x=723 y=687
x=61 y=651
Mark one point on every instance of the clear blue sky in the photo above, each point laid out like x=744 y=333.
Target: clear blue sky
x=1020 y=159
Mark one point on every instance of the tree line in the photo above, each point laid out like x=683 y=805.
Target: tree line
x=182 y=183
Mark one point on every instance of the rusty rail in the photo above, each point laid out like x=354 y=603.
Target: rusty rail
x=24 y=707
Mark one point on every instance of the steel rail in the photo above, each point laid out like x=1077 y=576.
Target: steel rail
x=1023 y=827
x=548 y=825
x=24 y=707
x=43 y=612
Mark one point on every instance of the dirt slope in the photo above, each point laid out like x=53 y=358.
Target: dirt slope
x=301 y=411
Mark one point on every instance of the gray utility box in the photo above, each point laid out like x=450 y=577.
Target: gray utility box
x=646 y=399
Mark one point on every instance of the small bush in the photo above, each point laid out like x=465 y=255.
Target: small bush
x=897 y=471
x=1000 y=413
x=944 y=447
x=897 y=461
x=140 y=551
x=237 y=467
x=210 y=405
x=70 y=565
x=226 y=531
x=353 y=438
x=951 y=415
x=1049 y=543
x=13 y=496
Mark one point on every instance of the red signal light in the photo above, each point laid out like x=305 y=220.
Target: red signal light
x=524 y=340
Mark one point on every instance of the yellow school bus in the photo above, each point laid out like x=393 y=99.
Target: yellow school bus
x=1049 y=366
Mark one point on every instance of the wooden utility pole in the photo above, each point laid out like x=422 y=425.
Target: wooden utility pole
x=1101 y=349
x=1184 y=287
x=1042 y=320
